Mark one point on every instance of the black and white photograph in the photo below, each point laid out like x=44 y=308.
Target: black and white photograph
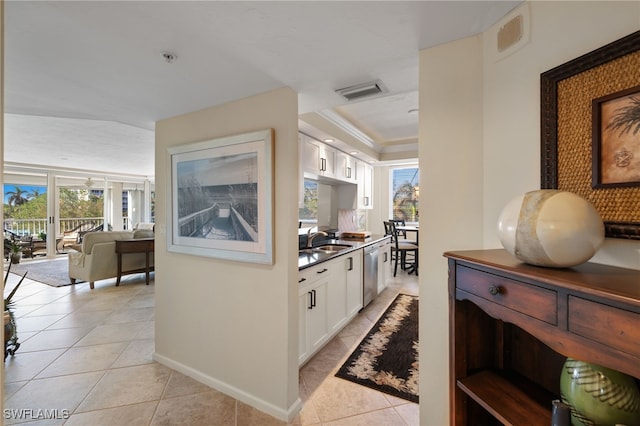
x=221 y=197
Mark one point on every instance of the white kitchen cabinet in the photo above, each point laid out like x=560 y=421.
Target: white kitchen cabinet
x=384 y=263
x=337 y=297
x=317 y=158
x=345 y=167
x=353 y=267
x=364 y=175
x=330 y=295
x=327 y=161
x=309 y=152
x=313 y=309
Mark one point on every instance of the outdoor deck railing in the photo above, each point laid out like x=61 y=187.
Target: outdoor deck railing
x=34 y=227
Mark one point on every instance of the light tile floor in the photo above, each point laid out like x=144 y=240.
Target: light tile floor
x=86 y=359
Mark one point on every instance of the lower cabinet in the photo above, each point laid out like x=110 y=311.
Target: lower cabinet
x=330 y=295
x=384 y=264
x=313 y=309
x=353 y=268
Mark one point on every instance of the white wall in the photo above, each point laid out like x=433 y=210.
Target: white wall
x=234 y=325
x=480 y=146
x=451 y=194
x=381 y=200
x=560 y=31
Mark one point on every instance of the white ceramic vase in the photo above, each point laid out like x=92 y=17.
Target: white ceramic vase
x=551 y=228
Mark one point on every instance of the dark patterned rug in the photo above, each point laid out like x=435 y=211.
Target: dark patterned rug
x=51 y=272
x=387 y=358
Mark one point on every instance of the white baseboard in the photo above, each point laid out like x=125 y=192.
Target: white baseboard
x=257 y=403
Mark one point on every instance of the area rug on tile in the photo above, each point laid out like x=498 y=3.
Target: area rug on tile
x=387 y=358
x=51 y=272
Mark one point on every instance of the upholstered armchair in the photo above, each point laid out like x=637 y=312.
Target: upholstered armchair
x=97 y=259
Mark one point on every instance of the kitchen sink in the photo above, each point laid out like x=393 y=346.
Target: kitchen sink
x=331 y=248
x=326 y=248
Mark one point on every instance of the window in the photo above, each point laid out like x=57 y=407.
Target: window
x=308 y=213
x=405 y=193
x=25 y=209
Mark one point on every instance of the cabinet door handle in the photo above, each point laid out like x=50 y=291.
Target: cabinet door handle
x=310 y=300
x=386 y=257
x=350 y=268
x=313 y=298
x=366 y=201
x=301 y=280
x=494 y=290
x=348 y=172
x=323 y=165
x=323 y=271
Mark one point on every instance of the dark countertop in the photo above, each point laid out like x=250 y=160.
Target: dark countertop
x=307 y=260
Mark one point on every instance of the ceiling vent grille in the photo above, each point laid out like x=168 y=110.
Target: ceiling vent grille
x=362 y=90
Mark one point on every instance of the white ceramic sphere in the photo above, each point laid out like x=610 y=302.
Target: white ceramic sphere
x=551 y=228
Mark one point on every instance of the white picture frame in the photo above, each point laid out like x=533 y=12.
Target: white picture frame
x=221 y=198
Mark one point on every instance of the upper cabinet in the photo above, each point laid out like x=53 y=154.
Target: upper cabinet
x=317 y=158
x=319 y=161
x=364 y=174
x=346 y=167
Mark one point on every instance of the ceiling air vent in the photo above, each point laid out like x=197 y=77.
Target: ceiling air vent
x=362 y=90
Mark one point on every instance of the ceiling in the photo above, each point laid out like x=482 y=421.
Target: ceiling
x=85 y=81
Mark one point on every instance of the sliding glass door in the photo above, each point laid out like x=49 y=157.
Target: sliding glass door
x=80 y=204
x=25 y=213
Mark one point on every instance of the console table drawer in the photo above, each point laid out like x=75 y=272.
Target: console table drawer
x=602 y=323
x=531 y=300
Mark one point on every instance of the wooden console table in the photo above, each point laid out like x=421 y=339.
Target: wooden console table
x=512 y=325
x=140 y=245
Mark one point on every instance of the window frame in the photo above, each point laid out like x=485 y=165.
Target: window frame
x=392 y=169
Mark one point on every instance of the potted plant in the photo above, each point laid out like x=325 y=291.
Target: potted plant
x=16 y=252
x=11 y=344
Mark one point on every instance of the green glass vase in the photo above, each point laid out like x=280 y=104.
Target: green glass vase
x=599 y=396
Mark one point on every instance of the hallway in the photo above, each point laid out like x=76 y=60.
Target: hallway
x=86 y=359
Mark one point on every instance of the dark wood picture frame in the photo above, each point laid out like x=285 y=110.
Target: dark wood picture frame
x=549 y=82
x=616 y=139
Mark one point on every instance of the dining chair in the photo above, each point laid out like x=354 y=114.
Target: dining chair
x=401 y=222
x=402 y=251
x=388 y=229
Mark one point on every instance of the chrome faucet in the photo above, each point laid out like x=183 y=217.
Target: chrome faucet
x=310 y=237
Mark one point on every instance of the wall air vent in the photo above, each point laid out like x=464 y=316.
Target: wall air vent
x=510 y=33
x=362 y=90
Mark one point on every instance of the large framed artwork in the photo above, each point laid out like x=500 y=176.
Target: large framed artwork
x=590 y=132
x=221 y=198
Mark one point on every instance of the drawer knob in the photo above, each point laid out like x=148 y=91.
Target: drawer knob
x=495 y=289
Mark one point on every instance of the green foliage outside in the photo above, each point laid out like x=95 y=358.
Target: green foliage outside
x=309 y=210
x=406 y=198
x=34 y=208
x=73 y=203
x=405 y=203
x=80 y=203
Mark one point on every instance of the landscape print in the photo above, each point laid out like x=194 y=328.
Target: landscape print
x=218 y=197
x=222 y=198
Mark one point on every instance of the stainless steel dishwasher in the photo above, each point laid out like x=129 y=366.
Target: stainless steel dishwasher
x=370 y=281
